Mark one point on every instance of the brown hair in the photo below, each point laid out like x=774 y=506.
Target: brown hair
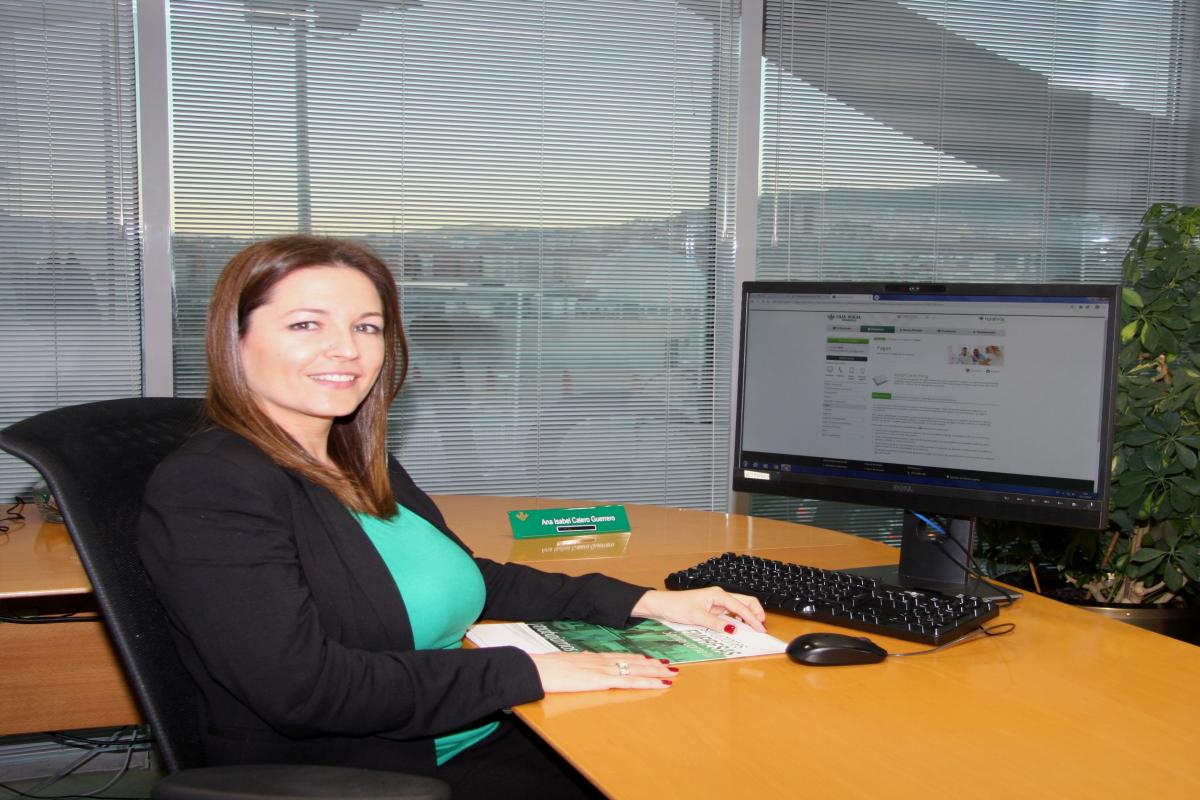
x=357 y=442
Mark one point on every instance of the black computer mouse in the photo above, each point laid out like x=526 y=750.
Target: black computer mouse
x=834 y=649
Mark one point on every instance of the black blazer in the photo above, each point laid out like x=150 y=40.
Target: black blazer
x=294 y=631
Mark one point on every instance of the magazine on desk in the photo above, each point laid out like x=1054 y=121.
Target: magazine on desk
x=679 y=644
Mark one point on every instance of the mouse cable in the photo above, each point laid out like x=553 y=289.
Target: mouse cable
x=995 y=630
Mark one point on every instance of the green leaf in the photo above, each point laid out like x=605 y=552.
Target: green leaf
x=1131 y=297
x=1186 y=455
x=1149 y=337
x=1173 y=578
x=1193 y=311
x=1152 y=505
x=1147 y=391
x=1130 y=330
x=1145 y=568
x=1174 y=322
x=1129 y=494
x=1166 y=534
x=1191 y=568
x=1150 y=280
x=1120 y=518
x=1188 y=484
x=1189 y=268
x=1174 y=402
x=1145 y=554
x=1160 y=424
x=1140 y=240
x=1142 y=436
x=1162 y=302
x=1181 y=499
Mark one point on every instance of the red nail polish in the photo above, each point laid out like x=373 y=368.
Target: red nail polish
x=730 y=629
x=667 y=682
x=665 y=661
x=673 y=669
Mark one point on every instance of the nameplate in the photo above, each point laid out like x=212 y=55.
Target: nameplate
x=535 y=523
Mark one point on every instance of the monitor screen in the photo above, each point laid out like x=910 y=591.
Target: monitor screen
x=969 y=400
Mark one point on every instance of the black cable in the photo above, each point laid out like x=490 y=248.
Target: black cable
x=47 y=619
x=972 y=567
x=941 y=536
x=74 y=740
x=1004 y=601
x=12 y=514
x=96 y=747
x=121 y=773
x=996 y=630
x=18 y=793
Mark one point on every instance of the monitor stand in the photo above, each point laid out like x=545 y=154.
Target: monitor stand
x=933 y=560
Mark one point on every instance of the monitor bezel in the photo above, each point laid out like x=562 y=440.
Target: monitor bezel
x=961 y=502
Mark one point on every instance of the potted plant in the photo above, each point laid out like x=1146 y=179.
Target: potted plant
x=1150 y=555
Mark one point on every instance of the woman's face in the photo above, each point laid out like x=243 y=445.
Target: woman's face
x=312 y=352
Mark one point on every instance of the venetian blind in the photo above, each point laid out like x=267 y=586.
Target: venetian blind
x=70 y=329
x=551 y=183
x=951 y=140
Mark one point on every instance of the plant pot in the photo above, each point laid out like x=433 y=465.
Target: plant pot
x=1181 y=623
x=1178 y=622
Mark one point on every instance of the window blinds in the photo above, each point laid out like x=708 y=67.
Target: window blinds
x=70 y=331
x=551 y=183
x=951 y=140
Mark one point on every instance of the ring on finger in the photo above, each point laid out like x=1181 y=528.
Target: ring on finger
x=622 y=668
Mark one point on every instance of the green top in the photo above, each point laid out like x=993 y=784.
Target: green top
x=442 y=590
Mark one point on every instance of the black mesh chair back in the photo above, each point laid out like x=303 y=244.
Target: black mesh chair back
x=96 y=459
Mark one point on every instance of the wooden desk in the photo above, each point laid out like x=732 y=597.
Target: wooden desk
x=59 y=676
x=1069 y=705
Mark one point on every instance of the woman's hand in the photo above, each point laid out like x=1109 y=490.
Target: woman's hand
x=585 y=672
x=708 y=607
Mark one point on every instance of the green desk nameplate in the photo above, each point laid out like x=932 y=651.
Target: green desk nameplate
x=539 y=522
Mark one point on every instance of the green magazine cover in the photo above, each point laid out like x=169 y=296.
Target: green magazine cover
x=679 y=644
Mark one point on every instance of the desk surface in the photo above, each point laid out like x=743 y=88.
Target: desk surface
x=1069 y=705
x=37 y=559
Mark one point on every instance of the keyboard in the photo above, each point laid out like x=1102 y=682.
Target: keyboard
x=841 y=598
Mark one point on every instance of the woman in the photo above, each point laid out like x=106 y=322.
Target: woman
x=317 y=596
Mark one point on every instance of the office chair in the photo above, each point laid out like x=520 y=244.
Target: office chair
x=96 y=459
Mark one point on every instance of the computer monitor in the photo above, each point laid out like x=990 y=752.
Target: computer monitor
x=949 y=401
